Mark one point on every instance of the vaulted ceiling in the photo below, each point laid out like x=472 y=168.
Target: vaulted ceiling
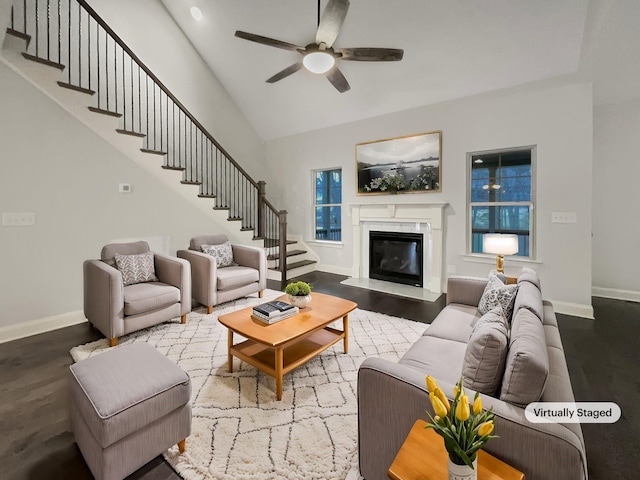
x=452 y=49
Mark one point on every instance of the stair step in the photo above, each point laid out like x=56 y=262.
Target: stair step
x=291 y=253
x=190 y=182
x=274 y=242
x=291 y=266
x=105 y=112
x=76 y=88
x=171 y=167
x=246 y=229
x=43 y=61
x=234 y=219
x=205 y=195
x=16 y=33
x=221 y=208
x=130 y=132
x=153 y=152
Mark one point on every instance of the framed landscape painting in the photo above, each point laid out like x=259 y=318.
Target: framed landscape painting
x=409 y=164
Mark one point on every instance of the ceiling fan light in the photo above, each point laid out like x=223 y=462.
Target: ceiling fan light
x=196 y=13
x=318 y=62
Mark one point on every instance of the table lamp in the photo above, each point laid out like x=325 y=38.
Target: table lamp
x=501 y=245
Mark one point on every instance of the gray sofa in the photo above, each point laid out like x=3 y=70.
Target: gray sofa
x=391 y=396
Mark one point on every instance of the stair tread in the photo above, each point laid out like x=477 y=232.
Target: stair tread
x=246 y=229
x=105 y=112
x=205 y=195
x=153 y=152
x=221 y=208
x=290 y=253
x=171 y=167
x=234 y=219
x=274 y=242
x=76 y=88
x=43 y=61
x=291 y=266
x=133 y=133
x=190 y=182
x=16 y=33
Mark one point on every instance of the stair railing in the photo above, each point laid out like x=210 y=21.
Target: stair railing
x=100 y=64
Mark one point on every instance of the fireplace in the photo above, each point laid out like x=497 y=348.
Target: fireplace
x=396 y=257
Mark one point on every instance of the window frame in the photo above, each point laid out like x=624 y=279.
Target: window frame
x=533 y=238
x=314 y=205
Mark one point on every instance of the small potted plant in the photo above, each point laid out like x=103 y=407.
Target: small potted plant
x=299 y=293
x=464 y=427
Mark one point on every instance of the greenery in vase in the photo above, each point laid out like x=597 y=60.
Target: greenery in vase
x=298 y=289
x=464 y=428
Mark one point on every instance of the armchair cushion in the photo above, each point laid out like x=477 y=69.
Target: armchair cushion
x=235 y=277
x=136 y=268
x=222 y=252
x=146 y=297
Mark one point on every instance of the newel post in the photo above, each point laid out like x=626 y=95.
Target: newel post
x=261 y=209
x=282 y=245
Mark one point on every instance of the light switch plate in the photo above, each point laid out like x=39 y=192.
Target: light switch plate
x=564 y=217
x=18 y=219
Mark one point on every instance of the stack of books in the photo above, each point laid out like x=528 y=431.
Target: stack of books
x=273 y=312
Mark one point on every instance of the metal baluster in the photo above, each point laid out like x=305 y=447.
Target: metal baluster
x=146 y=105
x=160 y=120
x=154 y=113
x=59 y=29
x=173 y=137
x=37 y=27
x=106 y=65
x=24 y=15
x=124 y=94
x=140 y=104
x=98 y=56
x=115 y=74
x=48 y=29
x=89 y=48
x=12 y=26
x=133 y=114
x=191 y=151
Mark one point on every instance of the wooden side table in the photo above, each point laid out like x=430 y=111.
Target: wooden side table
x=423 y=457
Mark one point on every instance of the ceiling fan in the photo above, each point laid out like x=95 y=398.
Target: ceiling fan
x=320 y=56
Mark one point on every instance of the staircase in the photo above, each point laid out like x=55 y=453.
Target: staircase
x=70 y=53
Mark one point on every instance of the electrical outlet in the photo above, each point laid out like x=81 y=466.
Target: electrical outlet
x=10 y=219
x=564 y=217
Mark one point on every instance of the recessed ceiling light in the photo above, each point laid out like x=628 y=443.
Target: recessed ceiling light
x=196 y=13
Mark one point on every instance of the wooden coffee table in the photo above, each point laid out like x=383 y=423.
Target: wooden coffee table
x=278 y=348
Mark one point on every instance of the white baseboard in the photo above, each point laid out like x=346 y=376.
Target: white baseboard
x=40 y=325
x=629 y=295
x=573 y=309
x=347 y=271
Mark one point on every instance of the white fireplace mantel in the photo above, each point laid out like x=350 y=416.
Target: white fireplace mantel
x=407 y=215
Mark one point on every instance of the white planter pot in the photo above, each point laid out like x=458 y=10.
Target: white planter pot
x=300 y=301
x=463 y=472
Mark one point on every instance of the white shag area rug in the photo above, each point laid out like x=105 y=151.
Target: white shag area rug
x=239 y=430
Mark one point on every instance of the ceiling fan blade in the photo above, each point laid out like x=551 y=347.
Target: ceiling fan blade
x=371 y=54
x=331 y=23
x=285 y=73
x=337 y=79
x=267 y=41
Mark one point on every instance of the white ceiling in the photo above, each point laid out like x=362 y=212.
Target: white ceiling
x=453 y=49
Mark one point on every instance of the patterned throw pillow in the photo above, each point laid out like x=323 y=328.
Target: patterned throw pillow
x=223 y=253
x=497 y=294
x=136 y=268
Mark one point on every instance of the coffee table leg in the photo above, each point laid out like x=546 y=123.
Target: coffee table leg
x=345 y=326
x=279 y=367
x=230 y=344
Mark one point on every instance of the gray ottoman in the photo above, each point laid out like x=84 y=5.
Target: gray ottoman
x=128 y=405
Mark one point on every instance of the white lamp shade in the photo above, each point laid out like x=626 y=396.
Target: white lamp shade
x=318 y=62
x=500 y=244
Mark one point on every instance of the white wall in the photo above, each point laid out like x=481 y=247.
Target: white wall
x=55 y=166
x=558 y=119
x=616 y=170
x=146 y=27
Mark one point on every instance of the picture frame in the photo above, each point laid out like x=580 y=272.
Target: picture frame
x=407 y=164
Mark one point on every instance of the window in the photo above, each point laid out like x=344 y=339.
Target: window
x=327 y=205
x=501 y=196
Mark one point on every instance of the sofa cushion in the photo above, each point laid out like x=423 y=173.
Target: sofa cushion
x=531 y=276
x=527 y=364
x=223 y=253
x=454 y=322
x=436 y=356
x=529 y=297
x=236 y=276
x=486 y=351
x=146 y=297
x=136 y=268
x=496 y=293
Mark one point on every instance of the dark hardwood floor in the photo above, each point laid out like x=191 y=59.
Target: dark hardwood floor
x=36 y=442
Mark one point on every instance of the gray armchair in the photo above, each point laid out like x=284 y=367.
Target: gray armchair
x=116 y=309
x=211 y=284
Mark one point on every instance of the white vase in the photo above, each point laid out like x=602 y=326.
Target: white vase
x=463 y=472
x=300 y=301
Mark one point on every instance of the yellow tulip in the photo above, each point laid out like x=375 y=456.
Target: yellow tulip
x=438 y=407
x=477 y=406
x=462 y=410
x=431 y=384
x=445 y=401
x=455 y=392
x=485 y=428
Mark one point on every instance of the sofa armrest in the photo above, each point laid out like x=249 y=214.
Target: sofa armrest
x=253 y=257
x=104 y=297
x=177 y=272
x=465 y=290
x=204 y=274
x=392 y=396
